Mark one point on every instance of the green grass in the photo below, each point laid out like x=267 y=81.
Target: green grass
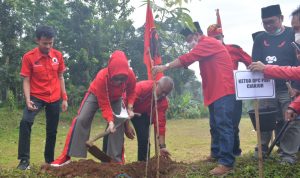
x=187 y=140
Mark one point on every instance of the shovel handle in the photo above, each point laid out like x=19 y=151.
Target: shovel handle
x=100 y=135
x=138 y=114
x=278 y=137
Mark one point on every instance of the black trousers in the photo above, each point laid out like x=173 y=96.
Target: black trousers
x=52 y=118
x=141 y=126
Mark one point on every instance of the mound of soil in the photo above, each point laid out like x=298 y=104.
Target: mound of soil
x=90 y=168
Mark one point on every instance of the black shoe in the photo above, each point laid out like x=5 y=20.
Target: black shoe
x=24 y=164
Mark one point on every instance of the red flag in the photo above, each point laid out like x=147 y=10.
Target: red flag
x=218 y=18
x=151 y=45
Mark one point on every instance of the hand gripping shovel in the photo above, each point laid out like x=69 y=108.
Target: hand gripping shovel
x=95 y=151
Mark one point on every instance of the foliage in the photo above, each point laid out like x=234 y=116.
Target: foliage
x=182 y=106
x=11 y=102
x=171 y=3
x=86 y=32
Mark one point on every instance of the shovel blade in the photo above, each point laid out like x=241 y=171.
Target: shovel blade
x=95 y=151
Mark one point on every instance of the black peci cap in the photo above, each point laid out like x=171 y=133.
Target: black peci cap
x=270 y=11
x=187 y=31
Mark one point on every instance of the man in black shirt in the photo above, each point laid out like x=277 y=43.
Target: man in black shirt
x=274 y=47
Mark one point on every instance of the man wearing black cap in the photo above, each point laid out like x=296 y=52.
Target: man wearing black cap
x=274 y=47
x=291 y=73
x=218 y=89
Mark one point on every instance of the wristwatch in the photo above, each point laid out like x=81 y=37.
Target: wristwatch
x=167 y=65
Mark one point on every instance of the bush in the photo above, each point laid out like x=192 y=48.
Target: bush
x=182 y=106
x=11 y=101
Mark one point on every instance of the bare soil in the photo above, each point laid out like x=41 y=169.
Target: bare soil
x=90 y=168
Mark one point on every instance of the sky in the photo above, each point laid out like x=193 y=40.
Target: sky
x=240 y=18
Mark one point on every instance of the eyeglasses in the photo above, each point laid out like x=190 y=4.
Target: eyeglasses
x=119 y=79
x=270 y=21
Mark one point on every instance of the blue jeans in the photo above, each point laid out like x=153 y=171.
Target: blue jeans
x=222 y=130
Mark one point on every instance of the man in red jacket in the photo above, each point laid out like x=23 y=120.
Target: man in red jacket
x=44 y=87
x=142 y=105
x=218 y=89
x=105 y=92
x=237 y=55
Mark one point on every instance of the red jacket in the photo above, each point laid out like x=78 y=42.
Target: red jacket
x=285 y=72
x=142 y=104
x=238 y=55
x=215 y=68
x=105 y=91
x=43 y=71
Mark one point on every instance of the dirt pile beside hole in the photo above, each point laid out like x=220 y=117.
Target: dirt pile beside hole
x=90 y=168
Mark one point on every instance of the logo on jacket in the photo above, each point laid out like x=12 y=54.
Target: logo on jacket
x=281 y=44
x=271 y=59
x=54 y=60
x=266 y=43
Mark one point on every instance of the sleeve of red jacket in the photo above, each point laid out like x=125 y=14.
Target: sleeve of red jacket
x=282 y=72
x=243 y=56
x=296 y=105
x=161 y=110
x=103 y=100
x=130 y=93
x=205 y=48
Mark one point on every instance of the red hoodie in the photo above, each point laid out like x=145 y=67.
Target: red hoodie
x=285 y=72
x=105 y=91
x=142 y=104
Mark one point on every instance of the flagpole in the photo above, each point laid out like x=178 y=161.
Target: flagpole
x=218 y=18
x=156 y=134
x=154 y=96
x=149 y=135
x=149 y=129
x=257 y=124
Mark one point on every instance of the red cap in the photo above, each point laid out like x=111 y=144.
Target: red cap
x=214 y=30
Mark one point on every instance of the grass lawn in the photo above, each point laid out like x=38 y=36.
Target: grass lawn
x=187 y=140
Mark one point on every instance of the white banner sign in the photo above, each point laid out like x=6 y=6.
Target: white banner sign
x=252 y=85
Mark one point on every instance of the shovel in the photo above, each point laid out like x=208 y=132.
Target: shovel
x=278 y=137
x=95 y=151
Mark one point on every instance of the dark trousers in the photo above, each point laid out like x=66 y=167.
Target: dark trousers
x=237 y=114
x=141 y=126
x=52 y=118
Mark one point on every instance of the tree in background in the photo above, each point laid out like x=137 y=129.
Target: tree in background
x=87 y=32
